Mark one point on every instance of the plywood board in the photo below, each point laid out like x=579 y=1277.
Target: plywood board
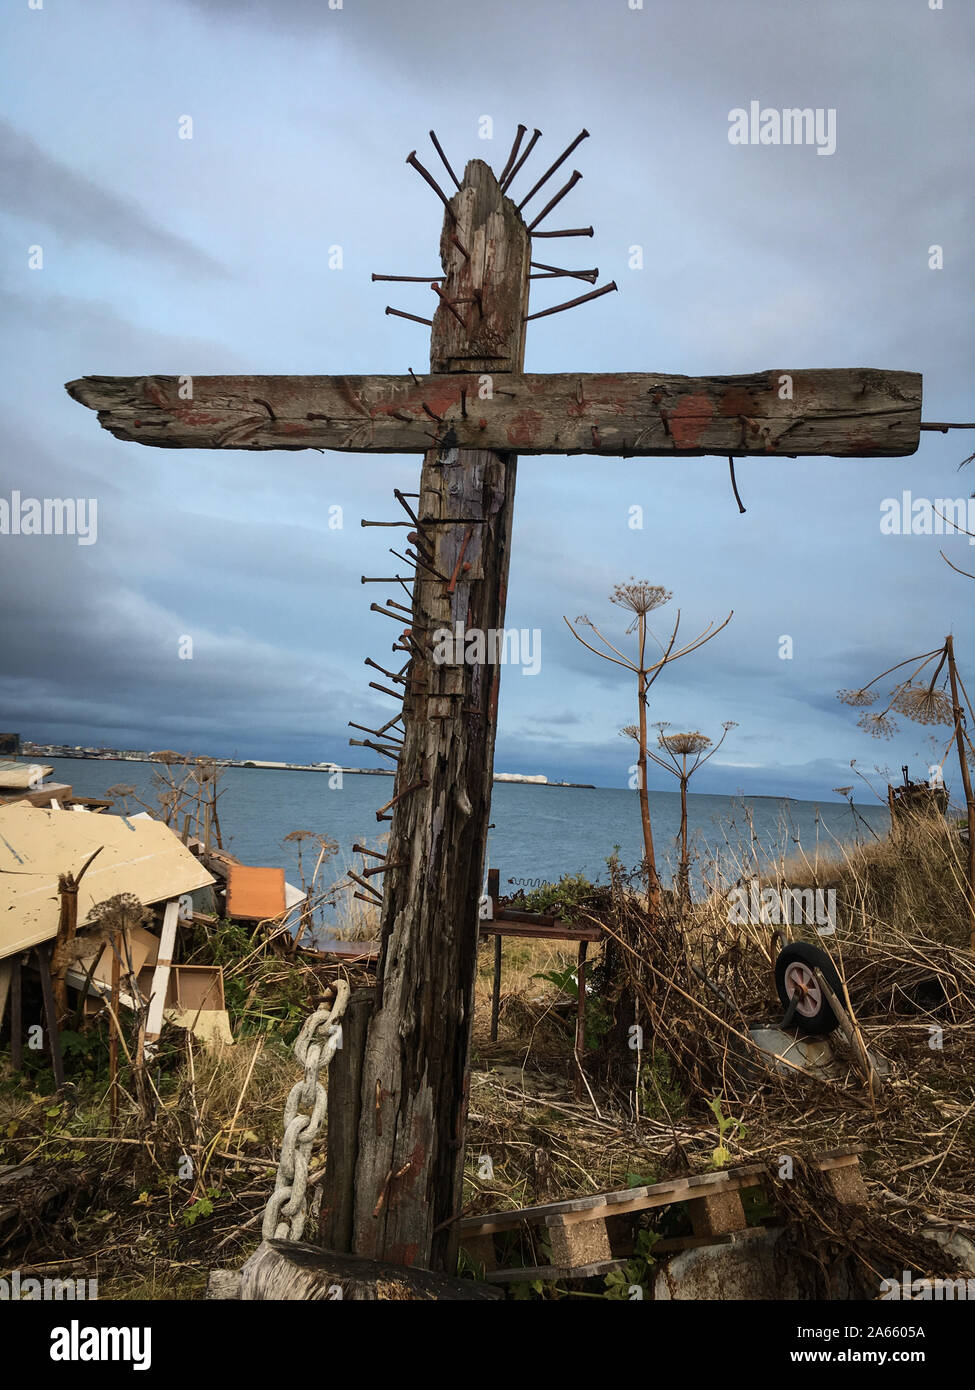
x=142 y=857
x=21 y=776
x=255 y=894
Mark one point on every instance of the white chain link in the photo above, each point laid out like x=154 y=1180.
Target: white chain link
x=315 y=1046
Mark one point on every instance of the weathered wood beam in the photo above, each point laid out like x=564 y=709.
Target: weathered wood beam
x=859 y=412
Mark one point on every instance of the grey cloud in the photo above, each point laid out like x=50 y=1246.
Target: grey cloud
x=40 y=188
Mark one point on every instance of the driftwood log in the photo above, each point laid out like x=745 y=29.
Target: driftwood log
x=857 y=412
x=280 y=1269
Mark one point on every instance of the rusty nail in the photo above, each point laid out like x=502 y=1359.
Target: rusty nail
x=428 y=178
x=568 y=231
x=446 y=163
x=549 y=172
x=591 y=275
x=460 y=247
x=448 y=304
x=571 y=303
x=519 y=136
x=401 y=314
x=566 y=188
x=412 y=279
x=536 y=136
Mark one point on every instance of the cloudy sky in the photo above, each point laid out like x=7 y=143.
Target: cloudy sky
x=211 y=255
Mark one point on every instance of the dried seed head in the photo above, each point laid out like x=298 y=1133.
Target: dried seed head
x=878 y=725
x=639 y=596
x=685 y=743
x=842 y=791
x=630 y=731
x=922 y=705
x=856 y=697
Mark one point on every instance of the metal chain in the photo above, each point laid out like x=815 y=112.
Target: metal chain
x=315 y=1046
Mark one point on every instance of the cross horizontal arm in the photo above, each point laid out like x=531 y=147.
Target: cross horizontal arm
x=858 y=412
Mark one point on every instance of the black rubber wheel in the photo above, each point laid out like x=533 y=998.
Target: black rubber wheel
x=794 y=976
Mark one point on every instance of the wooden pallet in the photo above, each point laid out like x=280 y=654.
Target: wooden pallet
x=580 y=1232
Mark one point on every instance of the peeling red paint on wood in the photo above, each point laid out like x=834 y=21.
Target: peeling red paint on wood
x=690 y=418
x=831 y=411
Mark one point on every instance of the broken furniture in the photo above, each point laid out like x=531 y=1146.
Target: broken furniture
x=537 y=926
x=587 y=1238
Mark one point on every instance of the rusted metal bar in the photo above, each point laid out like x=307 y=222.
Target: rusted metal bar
x=461 y=247
x=385 y=868
x=519 y=136
x=567 y=231
x=379 y=733
x=446 y=162
x=385 y=578
x=591 y=275
x=536 y=136
x=427 y=177
x=384 y=523
x=549 y=172
x=376 y=747
x=413 y=787
x=391 y=675
x=396 y=694
x=375 y=853
x=376 y=901
x=361 y=881
x=449 y=304
x=571 y=303
x=401 y=499
x=402 y=314
x=567 y=187
x=407 y=279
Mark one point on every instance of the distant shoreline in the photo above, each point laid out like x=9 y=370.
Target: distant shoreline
x=265 y=766
x=251 y=765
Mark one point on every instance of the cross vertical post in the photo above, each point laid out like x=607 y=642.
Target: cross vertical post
x=408 y=1172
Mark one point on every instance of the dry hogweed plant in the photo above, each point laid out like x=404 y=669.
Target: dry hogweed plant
x=641 y=598
x=925 y=702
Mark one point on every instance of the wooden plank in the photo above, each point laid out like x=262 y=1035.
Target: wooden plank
x=160 y=977
x=531 y=932
x=860 y=412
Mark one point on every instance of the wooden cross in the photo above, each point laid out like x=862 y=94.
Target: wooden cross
x=400 y=1192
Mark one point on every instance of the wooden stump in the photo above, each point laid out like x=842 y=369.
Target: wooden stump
x=291 y=1270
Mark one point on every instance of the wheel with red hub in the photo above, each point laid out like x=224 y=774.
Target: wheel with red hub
x=801 y=994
